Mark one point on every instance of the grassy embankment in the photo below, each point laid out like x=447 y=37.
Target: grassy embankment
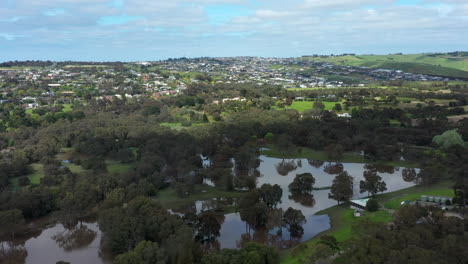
x=431 y=64
x=169 y=199
x=348 y=157
x=342 y=219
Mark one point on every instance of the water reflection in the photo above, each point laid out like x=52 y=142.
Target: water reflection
x=316 y=163
x=12 y=254
x=76 y=237
x=304 y=199
x=285 y=167
x=234 y=232
x=332 y=169
x=80 y=244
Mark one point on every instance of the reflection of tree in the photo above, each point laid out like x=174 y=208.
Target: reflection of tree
x=275 y=219
x=208 y=227
x=293 y=220
x=285 y=167
x=381 y=168
x=299 y=163
x=304 y=199
x=77 y=237
x=316 y=163
x=245 y=180
x=333 y=168
x=409 y=174
x=12 y=254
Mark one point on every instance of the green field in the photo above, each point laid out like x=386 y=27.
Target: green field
x=395 y=203
x=432 y=64
x=35 y=176
x=117 y=167
x=342 y=222
x=301 y=106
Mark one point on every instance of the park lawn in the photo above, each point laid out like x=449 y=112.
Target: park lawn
x=117 y=167
x=348 y=157
x=396 y=203
x=342 y=221
x=301 y=106
x=169 y=199
x=179 y=126
x=35 y=176
x=67 y=108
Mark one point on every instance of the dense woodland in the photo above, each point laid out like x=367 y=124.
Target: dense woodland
x=129 y=131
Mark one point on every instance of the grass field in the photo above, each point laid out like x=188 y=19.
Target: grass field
x=117 y=167
x=37 y=173
x=301 y=106
x=441 y=64
x=342 y=222
x=350 y=157
x=395 y=203
x=179 y=126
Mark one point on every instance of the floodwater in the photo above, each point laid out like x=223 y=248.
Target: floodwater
x=282 y=172
x=82 y=242
x=78 y=244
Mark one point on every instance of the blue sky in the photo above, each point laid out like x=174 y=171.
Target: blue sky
x=131 y=30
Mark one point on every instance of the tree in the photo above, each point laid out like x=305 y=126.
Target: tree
x=373 y=183
x=302 y=183
x=271 y=194
x=10 y=221
x=293 y=220
x=146 y=252
x=448 y=139
x=342 y=187
x=372 y=205
x=251 y=253
x=318 y=106
x=409 y=174
x=337 y=107
x=208 y=227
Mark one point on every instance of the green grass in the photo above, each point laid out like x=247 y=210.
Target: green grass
x=342 y=222
x=395 y=203
x=301 y=106
x=442 y=187
x=35 y=176
x=348 y=157
x=117 y=167
x=443 y=60
x=67 y=108
x=169 y=198
x=440 y=64
x=179 y=126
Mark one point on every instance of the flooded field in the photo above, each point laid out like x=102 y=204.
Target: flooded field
x=82 y=242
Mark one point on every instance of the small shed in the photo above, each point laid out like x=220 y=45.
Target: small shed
x=357 y=213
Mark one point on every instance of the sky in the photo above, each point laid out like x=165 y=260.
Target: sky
x=135 y=30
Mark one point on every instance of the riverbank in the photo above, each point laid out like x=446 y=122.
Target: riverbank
x=273 y=151
x=342 y=219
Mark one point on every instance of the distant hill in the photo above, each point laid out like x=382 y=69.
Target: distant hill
x=453 y=64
